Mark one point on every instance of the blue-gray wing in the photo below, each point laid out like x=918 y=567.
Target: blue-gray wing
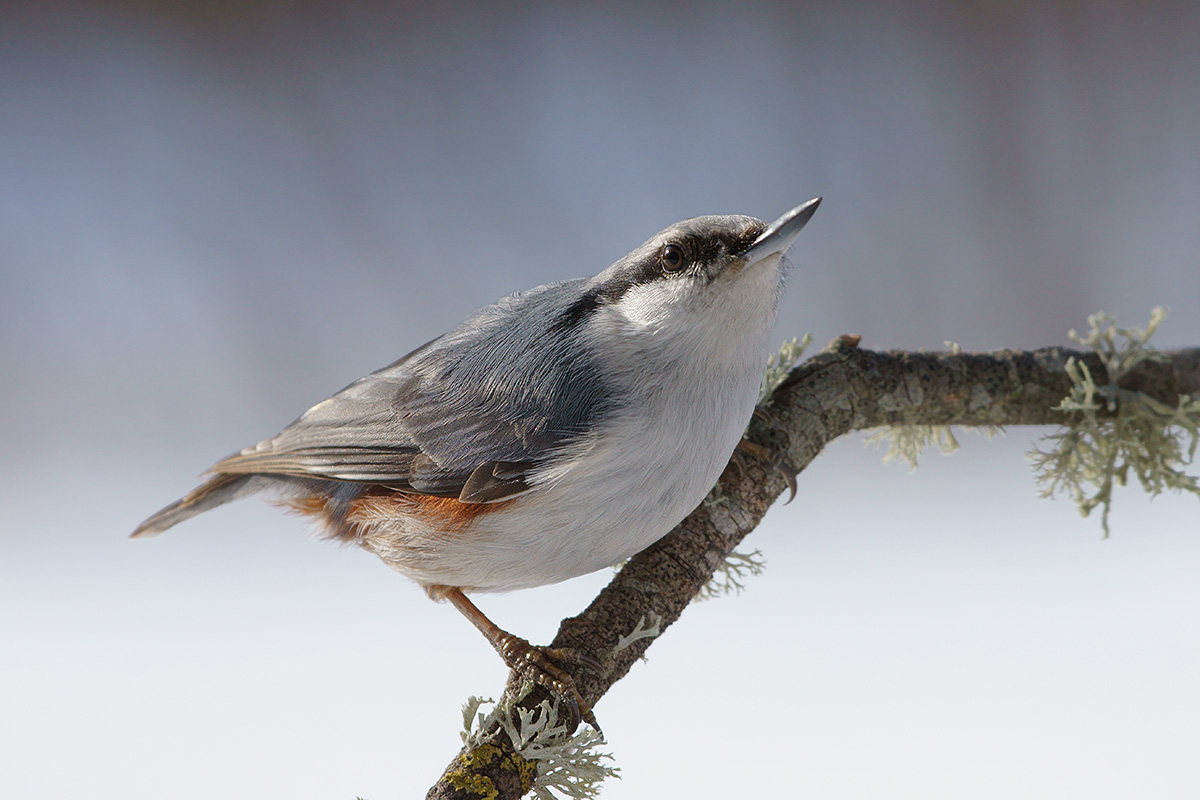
x=467 y=415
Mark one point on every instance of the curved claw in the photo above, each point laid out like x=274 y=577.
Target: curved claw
x=753 y=450
x=538 y=664
x=765 y=414
x=777 y=462
x=789 y=477
x=738 y=462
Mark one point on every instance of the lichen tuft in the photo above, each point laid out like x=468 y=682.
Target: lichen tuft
x=551 y=761
x=1091 y=454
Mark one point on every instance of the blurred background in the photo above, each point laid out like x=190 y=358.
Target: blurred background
x=213 y=215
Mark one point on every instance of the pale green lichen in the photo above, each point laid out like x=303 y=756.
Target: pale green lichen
x=729 y=577
x=1091 y=455
x=567 y=764
x=905 y=442
x=780 y=365
x=473 y=721
x=641 y=631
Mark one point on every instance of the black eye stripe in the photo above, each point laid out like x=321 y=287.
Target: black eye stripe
x=701 y=241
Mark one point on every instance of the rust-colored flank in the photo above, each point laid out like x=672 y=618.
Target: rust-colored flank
x=379 y=504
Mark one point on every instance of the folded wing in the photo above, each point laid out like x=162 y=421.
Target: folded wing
x=471 y=415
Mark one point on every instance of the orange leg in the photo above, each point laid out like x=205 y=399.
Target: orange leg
x=531 y=661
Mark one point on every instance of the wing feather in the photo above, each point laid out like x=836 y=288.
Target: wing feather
x=472 y=414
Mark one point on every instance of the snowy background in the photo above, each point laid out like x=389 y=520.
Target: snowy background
x=214 y=215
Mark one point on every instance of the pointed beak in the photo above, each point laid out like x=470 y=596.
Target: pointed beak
x=780 y=234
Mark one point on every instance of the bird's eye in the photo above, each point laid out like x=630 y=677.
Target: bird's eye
x=673 y=258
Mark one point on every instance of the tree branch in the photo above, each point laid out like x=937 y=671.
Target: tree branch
x=840 y=390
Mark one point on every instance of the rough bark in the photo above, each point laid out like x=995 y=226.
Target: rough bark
x=840 y=390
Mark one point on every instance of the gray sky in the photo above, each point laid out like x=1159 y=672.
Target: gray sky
x=213 y=216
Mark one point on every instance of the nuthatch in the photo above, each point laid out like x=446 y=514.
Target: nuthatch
x=557 y=432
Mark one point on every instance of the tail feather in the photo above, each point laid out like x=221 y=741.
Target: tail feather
x=219 y=489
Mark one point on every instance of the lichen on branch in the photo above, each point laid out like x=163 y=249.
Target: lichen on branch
x=1113 y=430
x=731 y=574
x=552 y=760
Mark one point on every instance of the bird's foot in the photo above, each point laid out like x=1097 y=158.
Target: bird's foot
x=767 y=456
x=543 y=665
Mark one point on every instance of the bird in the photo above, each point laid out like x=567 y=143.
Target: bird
x=556 y=432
